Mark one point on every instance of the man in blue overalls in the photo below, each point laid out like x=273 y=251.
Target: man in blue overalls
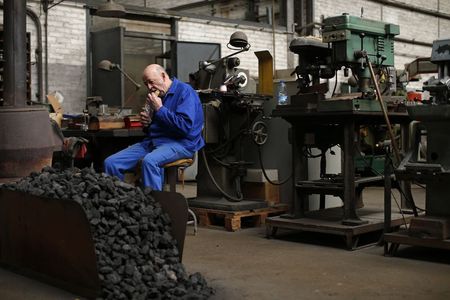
x=175 y=123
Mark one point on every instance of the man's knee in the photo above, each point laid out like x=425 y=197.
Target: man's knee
x=149 y=162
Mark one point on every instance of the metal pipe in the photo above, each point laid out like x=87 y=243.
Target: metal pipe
x=46 y=50
x=38 y=51
x=35 y=18
x=273 y=36
x=383 y=109
x=413 y=42
x=15 y=72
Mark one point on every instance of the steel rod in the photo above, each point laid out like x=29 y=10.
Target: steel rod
x=383 y=109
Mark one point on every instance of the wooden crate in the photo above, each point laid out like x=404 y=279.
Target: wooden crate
x=262 y=190
x=431 y=227
x=235 y=220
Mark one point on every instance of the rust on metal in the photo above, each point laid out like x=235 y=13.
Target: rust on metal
x=27 y=141
x=49 y=239
x=26 y=137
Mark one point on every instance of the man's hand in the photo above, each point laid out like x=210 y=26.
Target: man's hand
x=145 y=118
x=154 y=101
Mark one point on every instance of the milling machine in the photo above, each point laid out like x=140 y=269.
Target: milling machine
x=232 y=120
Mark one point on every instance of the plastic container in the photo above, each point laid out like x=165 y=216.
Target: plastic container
x=282 y=96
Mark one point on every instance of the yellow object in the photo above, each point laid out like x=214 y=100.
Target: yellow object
x=265 y=73
x=57 y=117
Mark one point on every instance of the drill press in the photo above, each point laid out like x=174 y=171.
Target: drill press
x=355 y=42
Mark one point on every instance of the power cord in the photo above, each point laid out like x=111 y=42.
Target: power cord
x=265 y=174
x=227 y=196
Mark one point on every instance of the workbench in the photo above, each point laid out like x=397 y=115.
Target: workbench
x=104 y=142
x=342 y=127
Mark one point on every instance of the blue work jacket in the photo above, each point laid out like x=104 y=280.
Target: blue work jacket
x=180 y=119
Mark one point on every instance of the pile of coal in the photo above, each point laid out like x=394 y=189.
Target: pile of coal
x=136 y=254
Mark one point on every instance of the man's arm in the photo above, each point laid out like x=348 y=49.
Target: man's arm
x=182 y=120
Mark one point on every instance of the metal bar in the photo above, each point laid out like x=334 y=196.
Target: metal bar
x=297 y=164
x=349 y=171
x=405 y=185
x=15 y=48
x=413 y=42
x=387 y=194
x=383 y=109
x=273 y=37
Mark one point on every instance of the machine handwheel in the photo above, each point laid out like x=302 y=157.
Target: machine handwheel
x=259 y=132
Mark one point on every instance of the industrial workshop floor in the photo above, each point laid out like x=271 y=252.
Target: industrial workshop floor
x=246 y=265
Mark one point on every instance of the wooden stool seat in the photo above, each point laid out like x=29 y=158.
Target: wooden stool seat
x=183 y=162
x=172 y=169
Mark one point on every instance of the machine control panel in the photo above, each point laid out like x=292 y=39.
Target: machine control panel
x=336 y=36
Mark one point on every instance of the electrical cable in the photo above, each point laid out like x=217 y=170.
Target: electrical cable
x=265 y=174
x=225 y=144
x=227 y=196
x=420 y=185
x=53 y=5
x=220 y=162
x=335 y=83
x=308 y=154
x=379 y=174
x=398 y=187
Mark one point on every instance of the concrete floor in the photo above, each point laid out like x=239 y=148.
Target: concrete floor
x=247 y=265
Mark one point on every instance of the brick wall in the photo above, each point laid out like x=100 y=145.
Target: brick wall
x=67 y=38
x=66 y=52
x=196 y=30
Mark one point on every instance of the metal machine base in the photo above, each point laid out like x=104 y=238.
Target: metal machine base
x=394 y=240
x=329 y=221
x=348 y=105
x=224 y=204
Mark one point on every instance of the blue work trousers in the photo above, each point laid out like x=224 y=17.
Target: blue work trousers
x=153 y=158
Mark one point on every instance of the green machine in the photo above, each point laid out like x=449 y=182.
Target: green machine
x=355 y=40
x=349 y=43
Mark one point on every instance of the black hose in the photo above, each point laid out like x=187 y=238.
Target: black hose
x=264 y=171
x=335 y=83
x=227 y=196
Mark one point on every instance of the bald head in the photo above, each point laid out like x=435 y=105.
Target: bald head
x=156 y=78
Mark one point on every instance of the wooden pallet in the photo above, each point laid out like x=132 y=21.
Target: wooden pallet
x=235 y=220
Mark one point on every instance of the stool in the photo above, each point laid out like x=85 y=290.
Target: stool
x=171 y=170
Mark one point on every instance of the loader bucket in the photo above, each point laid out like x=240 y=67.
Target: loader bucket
x=51 y=240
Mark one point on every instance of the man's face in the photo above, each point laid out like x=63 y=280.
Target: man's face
x=154 y=82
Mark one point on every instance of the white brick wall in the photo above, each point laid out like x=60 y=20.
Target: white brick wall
x=195 y=30
x=444 y=28
x=66 y=52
